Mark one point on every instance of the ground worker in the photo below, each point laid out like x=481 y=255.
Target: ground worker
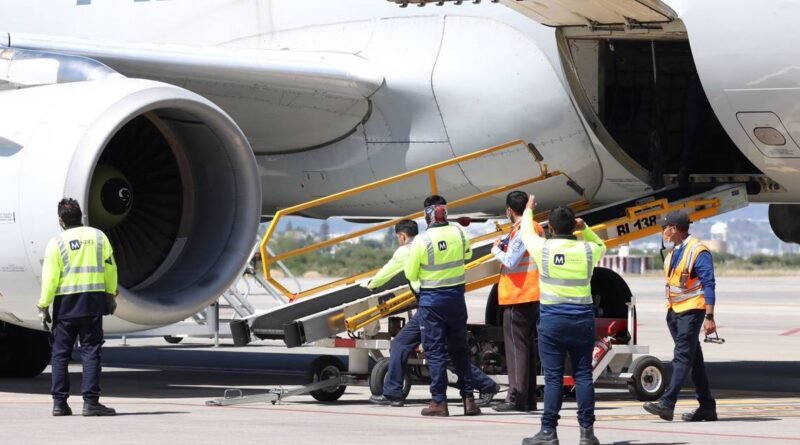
x=409 y=338
x=566 y=322
x=79 y=278
x=690 y=292
x=436 y=260
x=518 y=298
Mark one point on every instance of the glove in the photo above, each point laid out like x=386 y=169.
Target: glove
x=44 y=318
x=111 y=304
x=365 y=284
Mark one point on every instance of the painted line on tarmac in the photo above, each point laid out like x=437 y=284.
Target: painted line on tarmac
x=511 y=422
x=791 y=332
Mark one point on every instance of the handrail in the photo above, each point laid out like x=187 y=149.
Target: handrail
x=429 y=171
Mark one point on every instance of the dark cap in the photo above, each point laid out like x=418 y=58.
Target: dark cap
x=677 y=218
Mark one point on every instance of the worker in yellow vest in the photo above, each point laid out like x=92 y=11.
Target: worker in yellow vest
x=691 y=295
x=518 y=299
x=436 y=259
x=79 y=279
x=566 y=321
x=409 y=338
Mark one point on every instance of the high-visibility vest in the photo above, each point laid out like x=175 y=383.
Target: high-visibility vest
x=519 y=284
x=83 y=253
x=446 y=249
x=682 y=291
x=565 y=274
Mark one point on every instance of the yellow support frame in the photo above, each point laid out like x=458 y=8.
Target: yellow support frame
x=429 y=171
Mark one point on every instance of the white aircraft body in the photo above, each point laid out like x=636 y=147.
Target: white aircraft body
x=177 y=123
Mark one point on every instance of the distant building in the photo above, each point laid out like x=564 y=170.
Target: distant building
x=717 y=246
x=719 y=231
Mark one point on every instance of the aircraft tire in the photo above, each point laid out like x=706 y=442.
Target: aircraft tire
x=24 y=353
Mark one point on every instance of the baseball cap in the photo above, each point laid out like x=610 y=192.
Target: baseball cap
x=678 y=218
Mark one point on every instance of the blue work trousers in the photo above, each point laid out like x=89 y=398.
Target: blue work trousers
x=559 y=335
x=444 y=331
x=403 y=345
x=90 y=332
x=688 y=356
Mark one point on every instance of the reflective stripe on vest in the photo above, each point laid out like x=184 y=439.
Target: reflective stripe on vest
x=434 y=268
x=78 y=278
x=85 y=269
x=688 y=295
x=550 y=290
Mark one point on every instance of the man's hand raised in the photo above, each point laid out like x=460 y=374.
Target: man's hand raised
x=531 y=202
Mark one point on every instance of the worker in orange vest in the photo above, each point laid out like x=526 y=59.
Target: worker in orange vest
x=518 y=298
x=691 y=295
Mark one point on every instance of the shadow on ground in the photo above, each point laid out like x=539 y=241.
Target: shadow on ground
x=188 y=371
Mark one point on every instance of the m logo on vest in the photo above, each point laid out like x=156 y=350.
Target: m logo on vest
x=559 y=259
x=74 y=244
x=442 y=245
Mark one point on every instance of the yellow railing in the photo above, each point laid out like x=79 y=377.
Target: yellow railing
x=429 y=171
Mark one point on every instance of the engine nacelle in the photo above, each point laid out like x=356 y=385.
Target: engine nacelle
x=166 y=174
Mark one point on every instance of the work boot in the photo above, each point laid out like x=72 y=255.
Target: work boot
x=436 y=410
x=61 y=409
x=700 y=415
x=660 y=410
x=587 y=437
x=91 y=409
x=486 y=398
x=507 y=407
x=386 y=401
x=471 y=407
x=543 y=437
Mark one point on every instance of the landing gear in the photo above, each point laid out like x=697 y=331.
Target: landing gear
x=23 y=352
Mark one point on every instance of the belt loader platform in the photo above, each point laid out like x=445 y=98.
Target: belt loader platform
x=318 y=316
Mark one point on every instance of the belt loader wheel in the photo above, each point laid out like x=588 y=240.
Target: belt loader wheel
x=648 y=381
x=325 y=368
x=377 y=378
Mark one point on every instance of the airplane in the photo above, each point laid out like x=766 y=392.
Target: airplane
x=177 y=124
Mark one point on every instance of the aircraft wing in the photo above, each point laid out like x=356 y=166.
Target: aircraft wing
x=285 y=90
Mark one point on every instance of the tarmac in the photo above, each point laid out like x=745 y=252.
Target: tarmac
x=160 y=390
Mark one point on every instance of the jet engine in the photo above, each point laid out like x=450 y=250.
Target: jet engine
x=165 y=173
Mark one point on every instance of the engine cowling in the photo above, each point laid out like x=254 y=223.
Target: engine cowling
x=165 y=173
